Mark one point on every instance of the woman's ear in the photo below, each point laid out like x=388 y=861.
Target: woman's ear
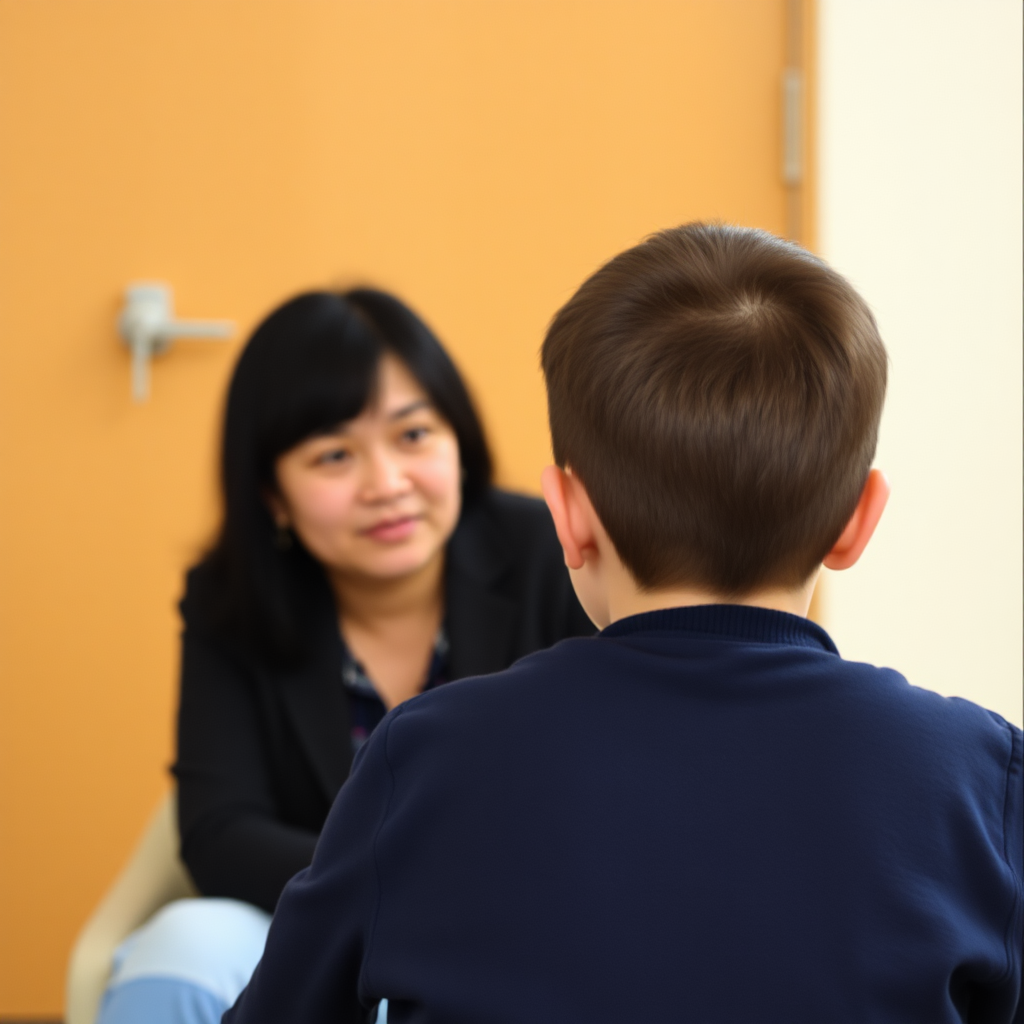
x=854 y=538
x=558 y=489
x=278 y=511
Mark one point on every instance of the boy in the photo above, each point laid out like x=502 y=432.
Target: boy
x=702 y=814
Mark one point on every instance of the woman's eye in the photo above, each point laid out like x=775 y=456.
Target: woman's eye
x=415 y=434
x=332 y=457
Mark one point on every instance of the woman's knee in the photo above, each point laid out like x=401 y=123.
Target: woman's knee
x=212 y=943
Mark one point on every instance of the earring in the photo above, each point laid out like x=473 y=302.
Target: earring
x=283 y=538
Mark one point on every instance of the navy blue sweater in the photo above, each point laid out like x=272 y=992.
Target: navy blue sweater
x=701 y=814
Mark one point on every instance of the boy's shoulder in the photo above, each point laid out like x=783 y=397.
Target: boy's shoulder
x=848 y=742
x=811 y=660
x=885 y=702
x=708 y=684
x=878 y=698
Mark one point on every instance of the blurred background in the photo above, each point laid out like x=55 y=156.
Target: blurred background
x=479 y=158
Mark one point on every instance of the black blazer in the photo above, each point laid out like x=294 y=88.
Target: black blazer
x=262 y=751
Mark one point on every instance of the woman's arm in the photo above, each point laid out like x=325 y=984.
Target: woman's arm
x=313 y=966
x=232 y=839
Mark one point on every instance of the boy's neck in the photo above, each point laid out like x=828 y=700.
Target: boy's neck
x=624 y=598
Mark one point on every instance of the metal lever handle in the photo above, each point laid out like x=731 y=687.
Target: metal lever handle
x=148 y=327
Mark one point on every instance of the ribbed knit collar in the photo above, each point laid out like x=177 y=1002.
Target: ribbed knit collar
x=727 y=622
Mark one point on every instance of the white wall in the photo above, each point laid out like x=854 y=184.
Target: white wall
x=920 y=156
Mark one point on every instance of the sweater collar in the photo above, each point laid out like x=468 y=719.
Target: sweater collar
x=727 y=622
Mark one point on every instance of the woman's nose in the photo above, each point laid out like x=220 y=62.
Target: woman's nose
x=384 y=477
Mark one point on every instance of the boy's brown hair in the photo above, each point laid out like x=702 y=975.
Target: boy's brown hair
x=717 y=391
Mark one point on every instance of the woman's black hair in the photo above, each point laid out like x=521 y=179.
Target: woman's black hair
x=311 y=365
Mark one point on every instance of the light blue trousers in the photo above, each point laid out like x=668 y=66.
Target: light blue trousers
x=187 y=964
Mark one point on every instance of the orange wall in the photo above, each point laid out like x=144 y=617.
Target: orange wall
x=480 y=158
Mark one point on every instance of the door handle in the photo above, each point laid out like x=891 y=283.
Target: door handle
x=148 y=327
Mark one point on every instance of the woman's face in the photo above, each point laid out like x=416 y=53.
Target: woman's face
x=379 y=496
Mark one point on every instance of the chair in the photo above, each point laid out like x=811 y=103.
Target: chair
x=153 y=876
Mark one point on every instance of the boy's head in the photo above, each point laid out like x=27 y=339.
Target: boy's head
x=717 y=391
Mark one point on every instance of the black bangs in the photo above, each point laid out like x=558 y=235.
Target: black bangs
x=311 y=365
x=406 y=336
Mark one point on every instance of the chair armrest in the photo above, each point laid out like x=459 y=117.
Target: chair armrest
x=153 y=876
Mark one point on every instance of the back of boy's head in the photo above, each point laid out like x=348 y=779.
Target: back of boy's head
x=717 y=391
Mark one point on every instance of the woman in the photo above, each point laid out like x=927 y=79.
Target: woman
x=363 y=557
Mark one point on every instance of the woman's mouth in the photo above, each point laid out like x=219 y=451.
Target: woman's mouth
x=392 y=530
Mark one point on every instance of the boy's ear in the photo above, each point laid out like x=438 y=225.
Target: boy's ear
x=854 y=538
x=560 y=491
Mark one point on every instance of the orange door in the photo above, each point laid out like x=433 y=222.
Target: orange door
x=478 y=158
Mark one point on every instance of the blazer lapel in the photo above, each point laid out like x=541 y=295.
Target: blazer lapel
x=318 y=707
x=479 y=620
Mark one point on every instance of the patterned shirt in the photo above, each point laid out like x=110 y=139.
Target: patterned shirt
x=366 y=707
